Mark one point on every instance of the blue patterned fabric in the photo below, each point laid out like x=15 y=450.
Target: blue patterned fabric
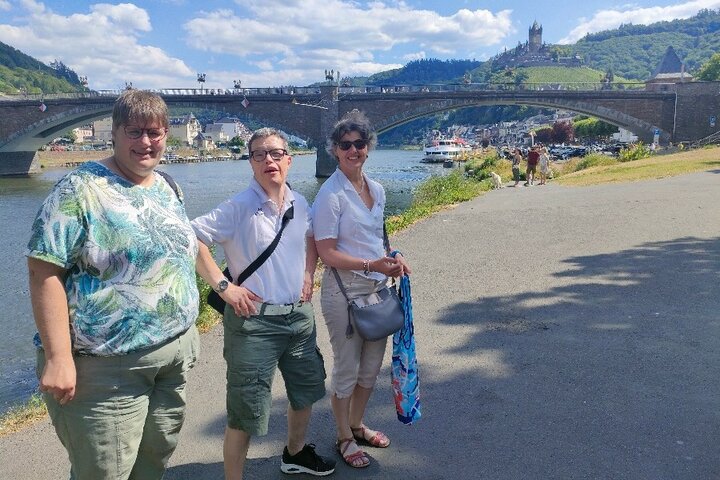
x=130 y=254
x=404 y=370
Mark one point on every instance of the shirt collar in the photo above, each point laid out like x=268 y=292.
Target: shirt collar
x=346 y=184
x=264 y=198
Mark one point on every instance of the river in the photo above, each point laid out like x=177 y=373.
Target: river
x=205 y=185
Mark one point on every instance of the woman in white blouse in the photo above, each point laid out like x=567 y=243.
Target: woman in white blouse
x=348 y=229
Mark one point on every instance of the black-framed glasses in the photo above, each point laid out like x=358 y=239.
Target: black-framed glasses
x=276 y=154
x=154 y=134
x=358 y=144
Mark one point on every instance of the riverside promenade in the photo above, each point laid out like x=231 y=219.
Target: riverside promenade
x=563 y=333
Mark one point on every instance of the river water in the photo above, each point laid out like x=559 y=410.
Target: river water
x=205 y=185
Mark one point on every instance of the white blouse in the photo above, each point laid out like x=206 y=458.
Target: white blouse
x=338 y=212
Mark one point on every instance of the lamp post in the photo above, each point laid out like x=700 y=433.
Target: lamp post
x=83 y=81
x=237 y=85
x=201 y=81
x=128 y=86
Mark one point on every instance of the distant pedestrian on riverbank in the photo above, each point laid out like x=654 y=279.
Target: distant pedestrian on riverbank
x=532 y=160
x=544 y=164
x=268 y=320
x=111 y=261
x=516 y=161
x=348 y=215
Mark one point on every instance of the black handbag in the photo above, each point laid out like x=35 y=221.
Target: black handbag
x=375 y=316
x=215 y=300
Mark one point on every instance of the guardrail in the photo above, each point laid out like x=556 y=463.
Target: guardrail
x=348 y=90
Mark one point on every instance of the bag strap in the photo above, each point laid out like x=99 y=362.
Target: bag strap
x=340 y=284
x=172 y=183
x=289 y=214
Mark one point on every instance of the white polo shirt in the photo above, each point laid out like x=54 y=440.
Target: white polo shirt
x=338 y=212
x=245 y=225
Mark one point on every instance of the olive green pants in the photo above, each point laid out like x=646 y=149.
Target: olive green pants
x=127 y=412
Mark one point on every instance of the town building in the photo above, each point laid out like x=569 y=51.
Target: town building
x=669 y=71
x=102 y=130
x=184 y=128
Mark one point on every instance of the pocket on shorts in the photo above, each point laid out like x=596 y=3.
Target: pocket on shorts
x=243 y=393
x=322 y=361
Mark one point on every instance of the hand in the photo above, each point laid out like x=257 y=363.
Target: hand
x=405 y=267
x=392 y=267
x=308 y=287
x=58 y=379
x=241 y=299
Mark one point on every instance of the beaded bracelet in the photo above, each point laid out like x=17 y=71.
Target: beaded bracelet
x=366 y=267
x=395 y=252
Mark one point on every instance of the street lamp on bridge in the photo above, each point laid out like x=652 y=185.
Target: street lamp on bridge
x=237 y=85
x=201 y=81
x=128 y=86
x=83 y=81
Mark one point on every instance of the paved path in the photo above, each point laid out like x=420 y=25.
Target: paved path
x=563 y=333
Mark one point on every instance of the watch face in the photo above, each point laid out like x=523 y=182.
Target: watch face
x=222 y=285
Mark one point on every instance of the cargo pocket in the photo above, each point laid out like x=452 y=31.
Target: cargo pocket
x=243 y=395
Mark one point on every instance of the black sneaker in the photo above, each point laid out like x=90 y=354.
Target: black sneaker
x=306 y=461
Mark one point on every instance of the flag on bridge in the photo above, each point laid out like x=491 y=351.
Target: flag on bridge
x=42 y=107
x=245 y=102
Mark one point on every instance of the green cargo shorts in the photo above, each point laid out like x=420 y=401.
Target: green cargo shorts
x=254 y=348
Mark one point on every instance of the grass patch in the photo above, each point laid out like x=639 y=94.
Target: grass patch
x=655 y=166
x=435 y=194
x=22 y=416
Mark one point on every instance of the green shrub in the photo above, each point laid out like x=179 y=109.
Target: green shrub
x=636 y=151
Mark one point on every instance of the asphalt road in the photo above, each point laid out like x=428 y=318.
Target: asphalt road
x=563 y=333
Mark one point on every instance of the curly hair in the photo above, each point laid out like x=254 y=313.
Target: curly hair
x=352 y=121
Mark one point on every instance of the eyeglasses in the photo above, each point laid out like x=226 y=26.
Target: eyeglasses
x=358 y=144
x=276 y=154
x=154 y=134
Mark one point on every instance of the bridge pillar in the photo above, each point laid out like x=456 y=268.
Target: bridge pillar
x=325 y=164
x=19 y=163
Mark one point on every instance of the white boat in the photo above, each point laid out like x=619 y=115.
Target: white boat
x=438 y=150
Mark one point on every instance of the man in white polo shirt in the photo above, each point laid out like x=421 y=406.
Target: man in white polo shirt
x=268 y=320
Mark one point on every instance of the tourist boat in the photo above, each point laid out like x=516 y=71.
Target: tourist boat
x=438 y=150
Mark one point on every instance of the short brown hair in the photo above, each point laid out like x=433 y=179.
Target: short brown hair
x=139 y=107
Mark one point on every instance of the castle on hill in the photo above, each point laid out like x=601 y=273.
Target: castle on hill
x=534 y=53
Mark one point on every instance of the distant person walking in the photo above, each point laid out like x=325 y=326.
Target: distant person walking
x=544 y=164
x=114 y=295
x=532 y=162
x=516 y=161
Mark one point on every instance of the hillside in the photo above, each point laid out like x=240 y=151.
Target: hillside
x=20 y=72
x=634 y=51
x=552 y=75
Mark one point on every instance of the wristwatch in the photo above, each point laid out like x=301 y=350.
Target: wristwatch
x=222 y=285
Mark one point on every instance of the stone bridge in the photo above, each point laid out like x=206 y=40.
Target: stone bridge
x=680 y=112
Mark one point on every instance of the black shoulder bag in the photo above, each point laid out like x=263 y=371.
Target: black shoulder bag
x=215 y=300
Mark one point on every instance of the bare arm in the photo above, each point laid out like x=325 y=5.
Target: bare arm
x=311 y=258
x=240 y=298
x=332 y=257
x=50 y=309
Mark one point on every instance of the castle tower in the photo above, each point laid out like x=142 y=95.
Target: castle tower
x=535 y=37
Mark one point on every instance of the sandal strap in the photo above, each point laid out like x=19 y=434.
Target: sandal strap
x=346 y=442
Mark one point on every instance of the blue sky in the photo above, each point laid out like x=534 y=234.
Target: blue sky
x=166 y=43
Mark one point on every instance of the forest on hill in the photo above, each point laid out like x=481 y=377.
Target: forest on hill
x=22 y=73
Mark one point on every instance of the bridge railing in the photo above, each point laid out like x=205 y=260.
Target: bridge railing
x=348 y=90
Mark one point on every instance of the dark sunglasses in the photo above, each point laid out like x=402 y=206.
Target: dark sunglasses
x=358 y=144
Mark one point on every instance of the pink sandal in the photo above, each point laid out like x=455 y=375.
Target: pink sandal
x=342 y=446
x=379 y=440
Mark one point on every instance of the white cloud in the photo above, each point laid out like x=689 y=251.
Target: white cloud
x=610 y=19
x=102 y=44
x=414 y=56
x=312 y=35
x=5 y=5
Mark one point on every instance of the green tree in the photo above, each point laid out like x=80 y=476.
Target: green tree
x=710 y=71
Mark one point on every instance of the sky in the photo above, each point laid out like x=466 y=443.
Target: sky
x=157 y=44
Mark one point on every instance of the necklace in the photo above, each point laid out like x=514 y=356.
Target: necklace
x=362 y=185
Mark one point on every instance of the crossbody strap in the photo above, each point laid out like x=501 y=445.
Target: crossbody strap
x=289 y=213
x=340 y=284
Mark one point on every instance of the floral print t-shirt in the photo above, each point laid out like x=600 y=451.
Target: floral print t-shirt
x=130 y=254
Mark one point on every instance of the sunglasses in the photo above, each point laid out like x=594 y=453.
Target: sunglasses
x=358 y=144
